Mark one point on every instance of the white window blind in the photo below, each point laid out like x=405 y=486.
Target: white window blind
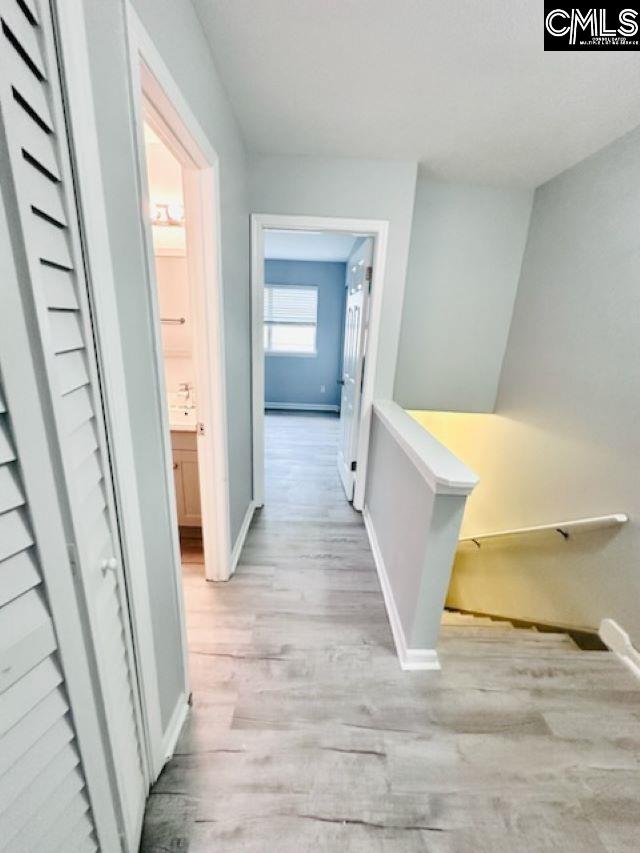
x=290 y=319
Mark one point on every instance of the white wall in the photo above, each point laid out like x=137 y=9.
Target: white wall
x=413 y=525
x=330 y=186
x=172 y=276
x=176 y=31
x=172 y=272
x=464 y=264
x=565 y=442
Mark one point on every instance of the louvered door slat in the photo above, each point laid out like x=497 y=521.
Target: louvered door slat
x=71 y=827
x=75 y=409
x=14 y=533
x=10 y=492
x=17 y=575
x=36 y=145
x=26 y=693
x=34 y=761
x=87 y=845
x=31 y=728
x=46 y=779
x=18 y=616
x=43 y=194
x=71 y=372
x=6 y=448
x=84 y=442
x=95 y=517
x=30 y=10
x=27 y=91
x=100 y=533
x=22 y=36
x=50 y=813
x=26 y=636
x=57 y=287
x=50 y=242
x=88 y=475
x=21 y=656
x=65 y=331
x=78 y=838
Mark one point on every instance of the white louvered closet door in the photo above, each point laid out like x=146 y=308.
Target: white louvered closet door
x=43 y=799
x=31 y=104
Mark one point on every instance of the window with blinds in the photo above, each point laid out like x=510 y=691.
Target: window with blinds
x=290 y=319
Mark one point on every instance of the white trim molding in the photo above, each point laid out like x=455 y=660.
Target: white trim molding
x=378 y=229
x=157 y=99
x=444 y=473
x=101 y=281
x=303 y=407
x=174 y=727
x=242 y=535
x=71 y=25
x=617 y=639
x=410 y=659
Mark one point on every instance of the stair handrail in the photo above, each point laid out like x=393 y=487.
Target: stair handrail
x=564 y=528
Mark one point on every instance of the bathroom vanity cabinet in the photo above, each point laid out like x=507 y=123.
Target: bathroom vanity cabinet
x=185 y=473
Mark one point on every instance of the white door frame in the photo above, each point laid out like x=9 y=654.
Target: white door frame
x=153 y=84
x=378 y=229
x=76 y=83
x=71 y=26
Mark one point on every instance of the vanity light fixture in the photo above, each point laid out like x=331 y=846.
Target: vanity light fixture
x=167 y=214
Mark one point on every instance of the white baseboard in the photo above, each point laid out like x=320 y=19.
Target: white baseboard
x=303 y=407
x=617 y=639
x=409 y=658
x=171 y=735
x=242 y=535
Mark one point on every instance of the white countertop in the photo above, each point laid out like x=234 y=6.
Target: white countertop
x=182 y=419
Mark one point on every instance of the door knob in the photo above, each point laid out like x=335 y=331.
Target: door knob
x=109 y=565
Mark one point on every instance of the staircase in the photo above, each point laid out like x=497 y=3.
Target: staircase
x=459 y=628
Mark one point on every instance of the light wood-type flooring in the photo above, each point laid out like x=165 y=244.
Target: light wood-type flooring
x=305 y=735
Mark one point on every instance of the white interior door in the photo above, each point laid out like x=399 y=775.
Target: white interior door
x=355 y=342
x=31 y=106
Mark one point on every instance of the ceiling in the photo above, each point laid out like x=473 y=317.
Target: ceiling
x=463 y=87
x=307 y=246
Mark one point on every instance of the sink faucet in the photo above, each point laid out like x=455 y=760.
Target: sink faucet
x=184 y=390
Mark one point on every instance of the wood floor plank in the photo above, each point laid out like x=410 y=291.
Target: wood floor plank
x=305 y=735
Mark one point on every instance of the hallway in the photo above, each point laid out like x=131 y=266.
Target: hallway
x=305 y=735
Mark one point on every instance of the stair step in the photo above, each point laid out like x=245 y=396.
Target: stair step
x=517 y=636
x=538 y=643
x=477 y=630
x=452 y=618
x=554 y=671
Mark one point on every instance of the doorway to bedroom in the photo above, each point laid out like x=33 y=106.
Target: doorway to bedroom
x=313 y=300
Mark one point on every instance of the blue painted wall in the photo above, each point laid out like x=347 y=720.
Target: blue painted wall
x=294 y=379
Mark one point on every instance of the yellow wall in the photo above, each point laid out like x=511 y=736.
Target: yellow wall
x=540 y=577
